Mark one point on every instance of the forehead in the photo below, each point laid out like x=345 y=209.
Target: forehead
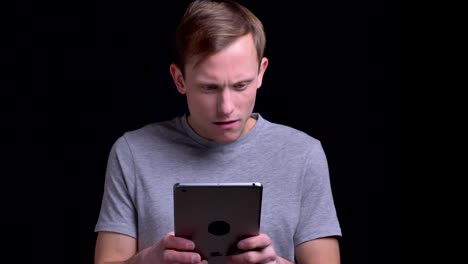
x=238 y=60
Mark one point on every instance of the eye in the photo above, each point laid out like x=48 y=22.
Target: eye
x=209 y=88
x=240 y=86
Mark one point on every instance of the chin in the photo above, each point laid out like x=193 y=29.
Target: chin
x=226 y=139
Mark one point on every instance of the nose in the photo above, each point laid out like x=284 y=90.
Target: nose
x=225 y=105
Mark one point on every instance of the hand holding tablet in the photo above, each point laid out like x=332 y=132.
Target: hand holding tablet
x=215 y=216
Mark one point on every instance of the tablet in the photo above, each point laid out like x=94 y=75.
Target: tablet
x=215 y=216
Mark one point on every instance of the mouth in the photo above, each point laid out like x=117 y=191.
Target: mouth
x=226 y=124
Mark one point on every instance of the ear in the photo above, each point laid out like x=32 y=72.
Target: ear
x=261 y=72
x=178 y=78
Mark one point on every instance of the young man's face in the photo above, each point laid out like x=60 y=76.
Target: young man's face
x=221 y=90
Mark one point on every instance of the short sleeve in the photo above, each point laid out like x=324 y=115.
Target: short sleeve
x=318 y=216
x=118 y=212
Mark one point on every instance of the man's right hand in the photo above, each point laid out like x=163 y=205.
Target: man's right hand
x=122 y=249
x=172 y=249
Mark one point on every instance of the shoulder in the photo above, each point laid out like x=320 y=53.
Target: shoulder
x=160 y=132
x=289 y=136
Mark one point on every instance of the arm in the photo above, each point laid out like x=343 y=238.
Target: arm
x=319 y=251
x=114 y=248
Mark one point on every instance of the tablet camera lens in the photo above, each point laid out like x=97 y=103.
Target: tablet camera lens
x=219 y=228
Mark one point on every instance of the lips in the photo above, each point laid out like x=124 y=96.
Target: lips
x=225 y=122
x=231 y=124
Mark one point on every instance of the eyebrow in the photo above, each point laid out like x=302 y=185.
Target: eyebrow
x=213 y=83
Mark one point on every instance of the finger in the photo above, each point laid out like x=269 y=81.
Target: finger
x=179 y=243
x=251 y=257
x=263 y=256
x=173 y=256
x=255 y=242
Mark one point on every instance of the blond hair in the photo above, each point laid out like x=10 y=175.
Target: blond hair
x=209 y=26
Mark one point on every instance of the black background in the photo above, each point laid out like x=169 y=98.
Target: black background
x=333 y=73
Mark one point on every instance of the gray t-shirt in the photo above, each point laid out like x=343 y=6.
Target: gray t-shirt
x=144 y=164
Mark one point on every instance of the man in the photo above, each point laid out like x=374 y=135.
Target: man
x=219 y=68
